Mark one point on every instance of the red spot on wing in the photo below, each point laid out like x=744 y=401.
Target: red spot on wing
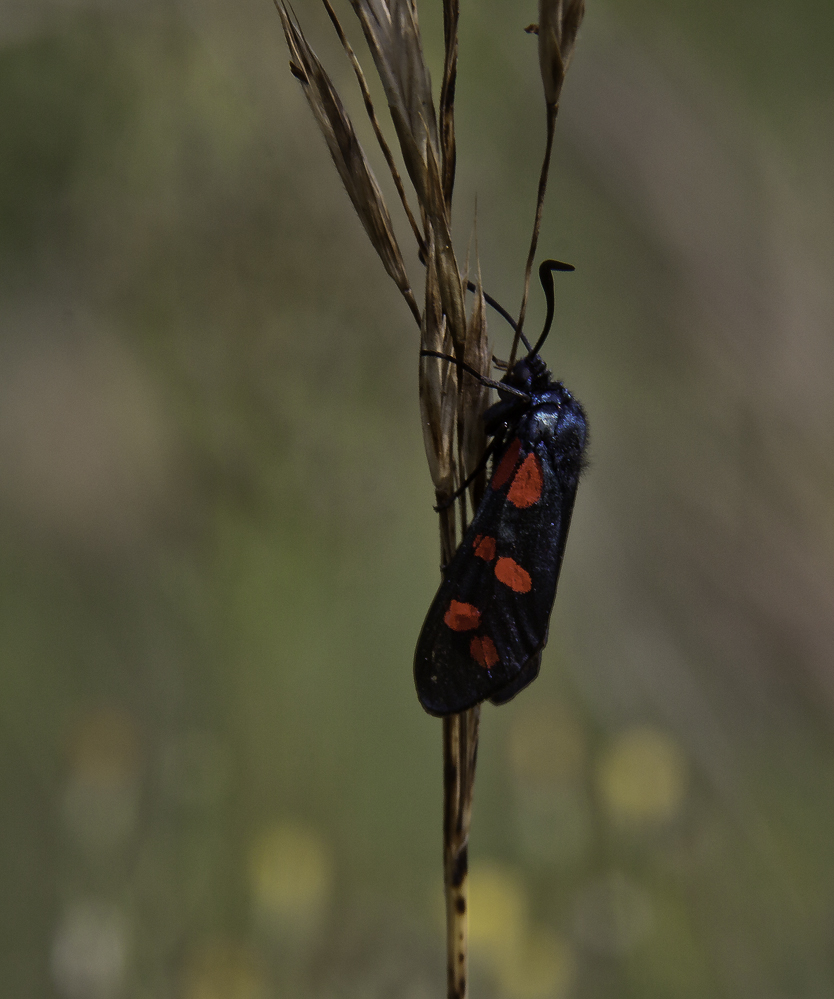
x=462 y=617
x=506 y=465
x=527 y=484
x=483 y=651
x=510 y=573
x=484 y=548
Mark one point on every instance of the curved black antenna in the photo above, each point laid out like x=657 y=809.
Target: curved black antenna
x=502 y=386
x=546 y=269
x=471 y=286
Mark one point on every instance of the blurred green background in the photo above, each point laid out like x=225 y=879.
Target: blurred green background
x=218 y=542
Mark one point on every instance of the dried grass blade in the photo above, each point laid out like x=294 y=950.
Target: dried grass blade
x=347 y=154
x=448 y=274
x=380 y=138
x=438 y=384
x=393 y=36
x=474 y=395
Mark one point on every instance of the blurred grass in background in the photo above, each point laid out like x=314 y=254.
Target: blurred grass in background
x=218 y=543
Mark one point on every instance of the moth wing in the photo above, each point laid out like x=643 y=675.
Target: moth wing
x=488 y=643
x=526 y=675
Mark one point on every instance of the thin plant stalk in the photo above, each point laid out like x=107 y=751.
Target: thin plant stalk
x=451 y=15
x=460 y=731
x=552 y=111
x=460 y=750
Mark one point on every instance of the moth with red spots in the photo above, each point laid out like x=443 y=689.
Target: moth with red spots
x=485 y=630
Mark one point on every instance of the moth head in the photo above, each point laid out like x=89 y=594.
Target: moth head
x=529 y=375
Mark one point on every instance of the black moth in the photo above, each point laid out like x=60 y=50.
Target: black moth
x=485 y=630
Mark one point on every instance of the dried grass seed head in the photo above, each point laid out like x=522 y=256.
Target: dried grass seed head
x=559 y=22
x=438 y=384
x=393 y=36
x=347 y=154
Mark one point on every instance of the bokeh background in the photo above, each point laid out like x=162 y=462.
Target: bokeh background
x=218 y=542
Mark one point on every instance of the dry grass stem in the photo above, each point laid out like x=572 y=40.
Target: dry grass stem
x=460 y=751
x=552 y=111
x=559 y=22
x=451 y=13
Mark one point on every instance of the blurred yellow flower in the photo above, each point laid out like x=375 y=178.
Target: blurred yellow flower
x=291 y=879
x=497 y=912
x=642 y=777
x=526 y=962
